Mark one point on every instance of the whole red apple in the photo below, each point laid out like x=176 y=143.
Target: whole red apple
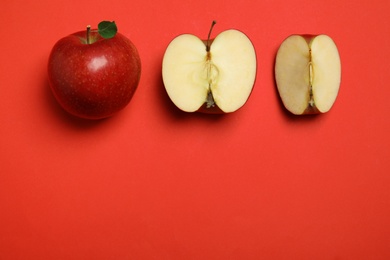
x=93 y=77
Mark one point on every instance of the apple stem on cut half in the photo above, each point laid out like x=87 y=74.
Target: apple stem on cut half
x=208 y=37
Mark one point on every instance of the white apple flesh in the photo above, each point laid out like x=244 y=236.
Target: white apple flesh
x=308 y=73
x=210 y=76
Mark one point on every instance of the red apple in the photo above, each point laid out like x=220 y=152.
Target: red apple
x=93 y=77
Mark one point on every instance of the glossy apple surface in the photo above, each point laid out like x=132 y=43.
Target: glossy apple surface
x=94 y=80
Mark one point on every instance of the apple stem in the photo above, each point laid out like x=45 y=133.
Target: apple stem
x=88 y=31
x=208 y=37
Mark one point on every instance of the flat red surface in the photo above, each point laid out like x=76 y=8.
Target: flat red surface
x=153 y=182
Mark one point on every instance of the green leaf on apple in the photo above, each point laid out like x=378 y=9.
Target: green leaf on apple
x=107 y=29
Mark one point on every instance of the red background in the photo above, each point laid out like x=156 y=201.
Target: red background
x=153 y=182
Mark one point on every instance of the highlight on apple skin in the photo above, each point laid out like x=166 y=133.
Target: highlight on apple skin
x=210 y=76
x=308 y=73
x=93 y=77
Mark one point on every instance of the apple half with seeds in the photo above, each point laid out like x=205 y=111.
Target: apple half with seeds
x=211 y=76
x=308 y=73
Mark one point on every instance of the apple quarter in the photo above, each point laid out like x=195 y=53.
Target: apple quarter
x=308 y=73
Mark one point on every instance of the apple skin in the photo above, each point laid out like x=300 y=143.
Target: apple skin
x=96 y=80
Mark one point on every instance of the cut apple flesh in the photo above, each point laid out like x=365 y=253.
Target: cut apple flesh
x=308 y=73
x=222 y=77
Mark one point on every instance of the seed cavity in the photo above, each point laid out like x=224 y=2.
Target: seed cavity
x=311 y=78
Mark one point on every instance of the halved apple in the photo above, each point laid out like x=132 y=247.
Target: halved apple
x=308 y=73
x=214 y=76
